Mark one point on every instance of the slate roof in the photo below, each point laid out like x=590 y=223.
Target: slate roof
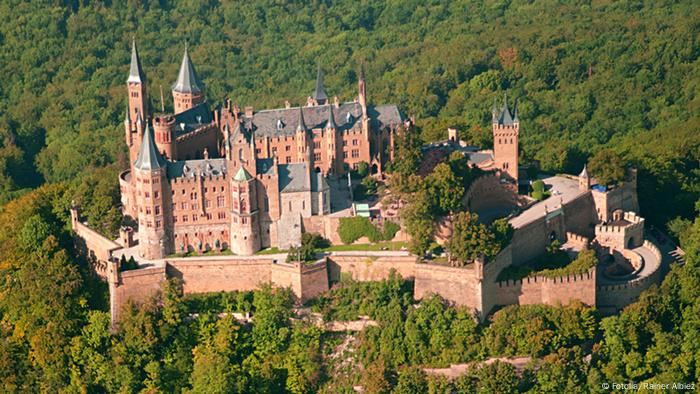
x=190 y=168
x=320 y=92
x=480 y=157
x=242 y=175
x=266 y=123
x=505 y=117
x=318 y=182
x=135 y=71
x=265 y=166
x=293 y=177
x=193 y=119
x=584 y=173
x=187 y=81
x=149 y=159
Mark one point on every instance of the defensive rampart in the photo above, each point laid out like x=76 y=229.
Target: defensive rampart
x=96 y=247
x=549 y=291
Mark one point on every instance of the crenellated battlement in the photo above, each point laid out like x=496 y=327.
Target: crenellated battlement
x=578 y=240
x=626 y=232
x=586 y=276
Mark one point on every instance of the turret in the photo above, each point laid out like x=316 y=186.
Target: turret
x=166 y=140
x=136 y=85
x=361 y=94
x=319 y=97
x=187 y=90
x=584 y=181
x=245 y=228
x=149 y=172
x=332 y=138
x=506 y=130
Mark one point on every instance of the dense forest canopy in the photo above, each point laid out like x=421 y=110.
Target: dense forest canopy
x=586 y=74
x=620 y=78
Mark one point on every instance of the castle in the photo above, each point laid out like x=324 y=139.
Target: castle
x=205 y=179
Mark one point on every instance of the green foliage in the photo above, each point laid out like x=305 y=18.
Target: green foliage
x=538 y=186
x=585 y=260
x=471 y=238
x=537 y=330
x=362 y=169
x=445 y=188
x=353 y=228
x=235 y=301
x=419 y=221
x=607 y=167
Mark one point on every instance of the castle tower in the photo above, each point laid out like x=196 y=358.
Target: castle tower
x=136 y=85
x=506 y=127
x=245 y=228
x=166 y=140
x=187 y=90
x=319 y=97
x=361 y=94
x=584 y=181
x=149 y=173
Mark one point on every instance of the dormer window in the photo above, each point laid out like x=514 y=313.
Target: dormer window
x=348 y=118
x=185 y=168
x=182 y=126
x=199 y=119
x=280 y=124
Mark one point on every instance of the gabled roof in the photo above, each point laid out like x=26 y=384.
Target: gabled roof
x=149 y=159
x=135 y=71
x=293 y=177
x=320 y=92
x=187 y=78
x=199 y=167
x=242 y=175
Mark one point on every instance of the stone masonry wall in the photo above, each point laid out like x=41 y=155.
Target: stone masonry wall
x=549 y=291
x=366 y=266
x=231 y=273
x=136 y=286
x=459 y=285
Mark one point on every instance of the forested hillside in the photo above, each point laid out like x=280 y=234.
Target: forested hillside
x=588 y=75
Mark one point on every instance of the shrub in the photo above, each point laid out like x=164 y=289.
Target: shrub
x=538 y=185
x=362 y=169
x=390 y=230
x=537 y=195
x=353 y=228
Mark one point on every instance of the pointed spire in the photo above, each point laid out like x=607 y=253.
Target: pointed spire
x=320 y=93
x=149 y=159
x=515 y=110
x=331 y=119
x=301 y=126
x=242 y=175
x=135 y=71
x=505 y=117
x=584 y=173
x=187 y=78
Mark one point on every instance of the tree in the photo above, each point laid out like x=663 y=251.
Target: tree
x=419 y=222
x=362 y=169
x=607 y=166
x=445 y=188
x=411 y=381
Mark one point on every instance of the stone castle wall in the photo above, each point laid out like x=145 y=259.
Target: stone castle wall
x=230 y=273
x=96 y=247
x=549 y=291
x=459 y=285
x=135 y=286
x=630 y=235
x=367 y=266
x=616 y=296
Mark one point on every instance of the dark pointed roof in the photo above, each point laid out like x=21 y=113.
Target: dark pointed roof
x=149 y=159
x=135 y=71
x=505 y=117
x=331 y=119
x=320 y=93
x=301 y=126
x=187 y=78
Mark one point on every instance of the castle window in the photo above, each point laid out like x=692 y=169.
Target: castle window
x=157 y=209
x=222 y=215
x=354 y=142
x=289 y=159
x=243 y=205
x=287 y=148
x=244 y=220
x=220 y=201
x=207 y=203
x=184 y=218
x=355 y=153
x=303 y=205
x=345 y=143
x=156 y=194
x=290 y=206
x=175 y=220
x=511 y=140
x=149 y=224
x=193 y=196
x=157 y=223
x=195 y=207
x=317 y=144
x=235 y=204
x=205 y=190
x=183 y=205
x=317 y=156
x=194 y=217
x=345 y=155
x=274 y=150
x=147 y=194
x=148 y=210
x=266 y=203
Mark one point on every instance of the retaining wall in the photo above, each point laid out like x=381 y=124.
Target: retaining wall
x=549 y=291
x=368 y=266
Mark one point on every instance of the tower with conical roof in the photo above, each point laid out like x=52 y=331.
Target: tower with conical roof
x=188 y=91
x=506 y=129
x=150 y=182
x=302 y=138
x=136 y=84
x=245 y=221
x=584 y=181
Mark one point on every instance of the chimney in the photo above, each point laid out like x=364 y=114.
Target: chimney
x=336 y=101
x=287 y=104
x=206 y=154
x=248 y=111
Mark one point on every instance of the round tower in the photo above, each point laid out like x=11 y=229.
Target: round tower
x=151 y=193
x=164 y=130
x=245 y=237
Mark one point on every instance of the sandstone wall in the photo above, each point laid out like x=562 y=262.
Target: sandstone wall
x=611 y=298
x=458 y=285
x=580 y=215
x=369 y=266
x=307 y=280
x=136 y=286
x=96 y=247
x=230 y=273
x=549 y=291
